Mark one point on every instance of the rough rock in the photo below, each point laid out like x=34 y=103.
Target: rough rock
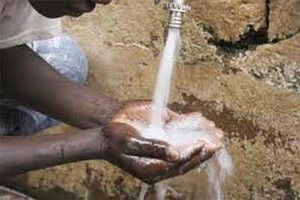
x=230 y=20
x=276 y=64
x=284 y=19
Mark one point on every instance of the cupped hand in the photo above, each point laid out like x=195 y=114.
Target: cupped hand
x=59 y=8
x=153 y=160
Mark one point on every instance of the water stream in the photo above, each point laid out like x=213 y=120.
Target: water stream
x=164 y=79
x=183 y=133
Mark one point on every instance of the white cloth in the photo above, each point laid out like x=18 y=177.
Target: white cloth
x=20 y=23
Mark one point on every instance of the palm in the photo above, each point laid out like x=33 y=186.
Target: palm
x=151 y=168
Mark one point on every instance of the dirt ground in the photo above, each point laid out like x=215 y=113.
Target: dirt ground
x=239 y=66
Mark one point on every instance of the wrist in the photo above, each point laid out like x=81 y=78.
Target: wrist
x=101 y=144
x=84 y=145
x=103 y=109
x=93 y=145
x=114 y=108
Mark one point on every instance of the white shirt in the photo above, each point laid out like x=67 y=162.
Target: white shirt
x=20 y=23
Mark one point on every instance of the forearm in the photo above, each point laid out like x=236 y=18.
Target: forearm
x=29 y=79
x=22 y=154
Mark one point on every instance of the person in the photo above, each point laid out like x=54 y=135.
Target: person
x=42 y=76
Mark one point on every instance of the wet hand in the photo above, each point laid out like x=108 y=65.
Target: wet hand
x=59 y=8
x=124 y=140
x=152 y=160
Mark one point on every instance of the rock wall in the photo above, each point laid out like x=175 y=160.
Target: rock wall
x=239 y=65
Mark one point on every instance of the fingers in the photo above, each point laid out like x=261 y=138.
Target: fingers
x=170 y=115
x=215 y=146
x=219 y=133
x=206 y=124
x=196 y=161
x=126 y=139
x=148 y=170
x=138 y=110
x=151 y=149
x=197 y=157
x=153 y=170
x=141 y=110
x=192 y=151
x=189 y=162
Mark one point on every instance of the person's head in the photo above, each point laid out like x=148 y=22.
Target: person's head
x=59 y=8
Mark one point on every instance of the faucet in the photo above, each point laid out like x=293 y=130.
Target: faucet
x=176 y=11
x=176 y=14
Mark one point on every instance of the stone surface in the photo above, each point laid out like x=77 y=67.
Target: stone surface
x=230 y=20
x=277 y=64
x=252 y=94
x=284 y=18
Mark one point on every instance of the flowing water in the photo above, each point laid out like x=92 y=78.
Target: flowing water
x=182 y=133
x=164 y=78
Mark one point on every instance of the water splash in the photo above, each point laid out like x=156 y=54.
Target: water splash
x=161 y=190
x=180 y=134
x=217 y=169
x=164 y=79
x=144 y=189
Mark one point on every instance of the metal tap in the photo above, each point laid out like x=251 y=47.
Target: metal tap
x=176 y=14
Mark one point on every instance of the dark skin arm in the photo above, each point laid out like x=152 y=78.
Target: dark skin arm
x=28 y=78
x=22 y=154
x=78 y=106
x=118 y=142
